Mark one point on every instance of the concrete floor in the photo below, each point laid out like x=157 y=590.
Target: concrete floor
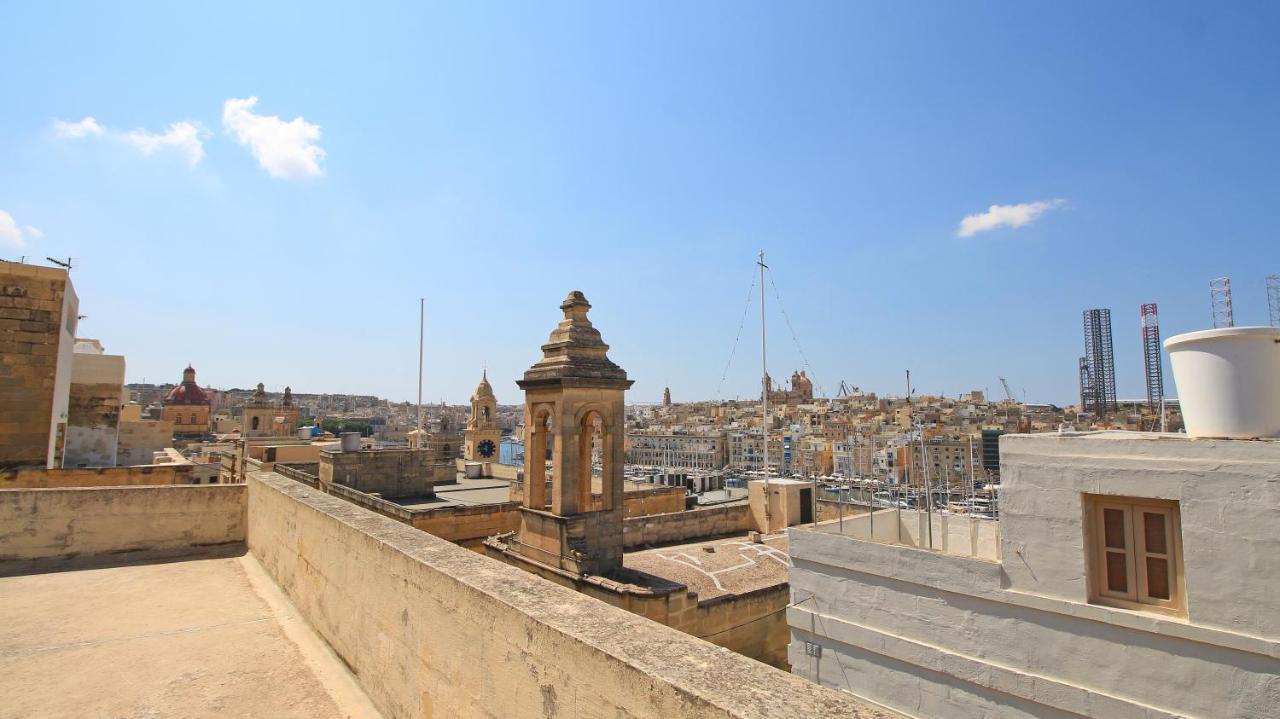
x=196 y=638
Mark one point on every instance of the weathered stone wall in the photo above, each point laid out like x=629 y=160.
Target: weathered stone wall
x=431 y=629
x=44 y=525
x=388 y=472
x=469 y=526
x=138 y=441
x=33 y=386
x=148 y=475
x=93 y=421
x=685 y=526
x=653 y=500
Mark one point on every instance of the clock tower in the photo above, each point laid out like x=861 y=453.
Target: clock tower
x=482 y=436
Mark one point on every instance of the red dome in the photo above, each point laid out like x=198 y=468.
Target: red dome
x=188 y=392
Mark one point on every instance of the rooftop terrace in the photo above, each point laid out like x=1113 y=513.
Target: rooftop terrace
x=199 y=637
x=274 y=599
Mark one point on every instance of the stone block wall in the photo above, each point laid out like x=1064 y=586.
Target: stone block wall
x=33 y=388
x=686 y=525
x=387 y=472
x=48 y=525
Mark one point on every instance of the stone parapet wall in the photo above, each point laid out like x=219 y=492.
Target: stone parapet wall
x=61 y=525
x=40 y=478
x=686 y=525
x=431 y=629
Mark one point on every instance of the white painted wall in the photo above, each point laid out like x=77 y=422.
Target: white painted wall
x=935 y=635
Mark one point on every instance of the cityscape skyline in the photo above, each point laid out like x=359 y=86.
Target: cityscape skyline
x=942 y=192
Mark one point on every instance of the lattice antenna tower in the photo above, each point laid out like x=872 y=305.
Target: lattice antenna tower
x=1100 y=360
x=1273 y=299
x=1220 y=296
x=1151 y=356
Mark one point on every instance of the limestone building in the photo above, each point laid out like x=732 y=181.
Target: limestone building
x=263 y=417
x=38 y=315
x=187 y=406
x=482 y=435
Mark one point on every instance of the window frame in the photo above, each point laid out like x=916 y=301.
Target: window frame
x=1137 y=595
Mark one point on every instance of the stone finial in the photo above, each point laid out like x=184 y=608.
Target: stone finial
x=575 y=349
x=484 y=390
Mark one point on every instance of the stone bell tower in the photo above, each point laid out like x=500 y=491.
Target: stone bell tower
x=482 y=436
x=574 y=407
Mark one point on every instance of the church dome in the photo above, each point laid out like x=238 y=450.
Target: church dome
x=188 y=392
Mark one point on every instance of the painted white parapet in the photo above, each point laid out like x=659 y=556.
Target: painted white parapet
x=1228 y=381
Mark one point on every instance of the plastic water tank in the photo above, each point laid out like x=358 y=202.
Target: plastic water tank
x=1228 y=381
x=350 y=441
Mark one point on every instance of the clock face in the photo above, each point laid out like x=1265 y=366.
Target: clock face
x=486 y=448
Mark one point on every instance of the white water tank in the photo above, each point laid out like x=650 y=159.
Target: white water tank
x=1228 y=381
x=350 y=441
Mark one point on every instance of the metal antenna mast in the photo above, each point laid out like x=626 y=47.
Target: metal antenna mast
x=1273 y=299
x=422 y=308
x=1220 y=297
x=1151 y=356
x=764 y=394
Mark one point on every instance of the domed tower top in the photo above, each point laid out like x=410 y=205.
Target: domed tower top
x=575 y=354
x=188 y=392
x=484 y=390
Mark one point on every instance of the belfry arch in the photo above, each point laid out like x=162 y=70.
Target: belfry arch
x=574 y=406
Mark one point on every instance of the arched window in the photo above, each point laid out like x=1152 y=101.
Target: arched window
x=177 y=419
x=255 y=423
x=193 y=419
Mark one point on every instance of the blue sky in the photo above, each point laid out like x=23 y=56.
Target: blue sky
x=491 y=157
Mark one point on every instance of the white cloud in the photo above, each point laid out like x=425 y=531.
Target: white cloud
x=13 y=236
x=1005 y=216
x=286 y=150
x=185 y=138
x=76 y=130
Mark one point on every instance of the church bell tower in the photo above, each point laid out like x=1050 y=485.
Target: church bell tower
x=482 y=436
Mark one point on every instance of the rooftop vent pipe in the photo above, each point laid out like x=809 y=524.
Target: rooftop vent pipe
x=1228 y=381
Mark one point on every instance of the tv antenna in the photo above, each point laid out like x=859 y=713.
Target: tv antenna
x=65 y=265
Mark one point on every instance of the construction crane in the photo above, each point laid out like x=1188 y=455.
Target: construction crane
x=1007 y=394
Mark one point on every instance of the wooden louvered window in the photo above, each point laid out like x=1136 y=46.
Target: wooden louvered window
x=1135 y=553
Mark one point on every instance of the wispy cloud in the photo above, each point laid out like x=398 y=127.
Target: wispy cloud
x=286 y=150
x=13 y=235
x=185 y=138
x=76 y=130
x=998 y=216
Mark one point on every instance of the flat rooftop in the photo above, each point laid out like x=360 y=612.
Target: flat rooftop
x=466 y=493
x=207 y=637
x=719 y=567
